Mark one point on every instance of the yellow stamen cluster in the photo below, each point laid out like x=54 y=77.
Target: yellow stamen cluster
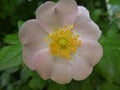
x=64 y=42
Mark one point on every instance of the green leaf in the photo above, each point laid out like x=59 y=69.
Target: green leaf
x=4 y=79
x=20 y=23
x=26 y=87
x=98 y=3
x=81 y=85
x=114 y=2
x=113 y=31
x=87 y=84
x=103 y=68
x=108 y=86
x=12 y=39
x=25 y=74
x=55 y=86
x=75 y=85
x=118 y=21
x=11 y=87
x=12 y=70
x=109 y=65
x=10 y=57
x=110 y=42
x=98 y=12
x=36 y=82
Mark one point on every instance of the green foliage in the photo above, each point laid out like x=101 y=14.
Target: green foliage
x=109 y=66
x=36 y=82
x=114 y=2
x=81 y=85
x=55 y=86
x=5 y=78
x=14 y=75
x=12 y=39
x=10 y=56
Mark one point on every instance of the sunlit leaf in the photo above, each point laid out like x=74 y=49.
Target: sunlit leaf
x=11 y=39
x=20 y=23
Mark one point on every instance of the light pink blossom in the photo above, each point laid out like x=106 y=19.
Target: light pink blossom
x=62 y=42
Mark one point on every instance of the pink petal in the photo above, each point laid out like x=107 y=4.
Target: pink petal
x=44 y=63
x=53 y=15
x=33 y=39
x=46 y=15
x=80 y=68
x=83 y=15
x=67 y=10
x=88 y=30
x=62 y=72
x=91 y=51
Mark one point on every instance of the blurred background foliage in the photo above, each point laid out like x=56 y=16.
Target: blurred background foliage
x=14 y=75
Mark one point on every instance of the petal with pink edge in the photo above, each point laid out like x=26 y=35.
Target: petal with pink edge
x=57 y=15
x=91 y=51
x=62 y=72
x=33 y=38
x=44 y=63
x=83 y=15
x=46 y=15
x=88 y=30
x=80 y=68
x=67 y=10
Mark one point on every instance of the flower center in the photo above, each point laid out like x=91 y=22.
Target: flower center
x=64 y=42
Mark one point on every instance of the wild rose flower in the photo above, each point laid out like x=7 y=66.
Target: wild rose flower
x=62 y=42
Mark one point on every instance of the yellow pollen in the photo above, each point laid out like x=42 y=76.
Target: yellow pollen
x=64 y=42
